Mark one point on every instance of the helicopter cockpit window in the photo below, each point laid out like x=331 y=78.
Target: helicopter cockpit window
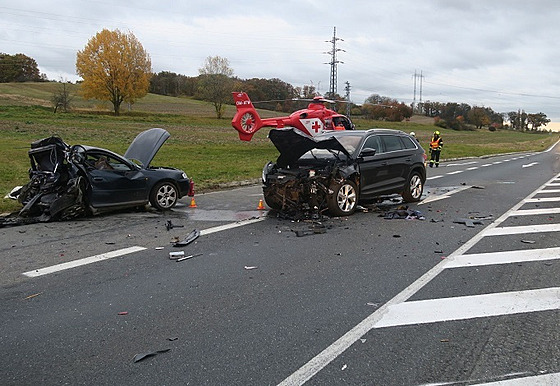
x=343 y=122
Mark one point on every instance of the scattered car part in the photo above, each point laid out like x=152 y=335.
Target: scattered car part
x=189 y=257
x=189 y=239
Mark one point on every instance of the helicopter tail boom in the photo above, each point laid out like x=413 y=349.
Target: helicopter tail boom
x=246 y=120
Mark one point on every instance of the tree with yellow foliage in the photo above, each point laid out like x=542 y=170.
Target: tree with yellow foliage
x=114 y=67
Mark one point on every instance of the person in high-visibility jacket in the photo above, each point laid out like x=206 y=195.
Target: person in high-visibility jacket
x=435 y=149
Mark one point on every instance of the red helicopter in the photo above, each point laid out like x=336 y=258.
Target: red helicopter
x=313 y=120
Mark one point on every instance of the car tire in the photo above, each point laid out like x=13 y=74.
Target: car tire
x=414 y=188
x=164 y=195
x=343 y=199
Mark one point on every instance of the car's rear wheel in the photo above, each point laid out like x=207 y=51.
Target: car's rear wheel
x=414 y=188
x=164 y=195
x=344 y=199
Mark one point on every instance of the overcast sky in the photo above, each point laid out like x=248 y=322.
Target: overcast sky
x=502 y=54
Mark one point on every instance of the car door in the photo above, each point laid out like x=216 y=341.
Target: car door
x=373 y=168
x=114 y=182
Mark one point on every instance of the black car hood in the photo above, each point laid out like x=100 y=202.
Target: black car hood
x=292 y=144
x=146 y=145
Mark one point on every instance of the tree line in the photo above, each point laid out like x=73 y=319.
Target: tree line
x=115 y=67
x=19 y=68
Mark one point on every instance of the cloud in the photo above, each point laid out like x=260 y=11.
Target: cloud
x=501 y=54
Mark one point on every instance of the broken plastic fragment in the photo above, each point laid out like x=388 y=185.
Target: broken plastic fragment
x=528 y=241
x=123 y=313
x=139 y=357
x=189 y=239
x=248 y=268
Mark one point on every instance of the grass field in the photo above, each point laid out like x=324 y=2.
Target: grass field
x=208 y=149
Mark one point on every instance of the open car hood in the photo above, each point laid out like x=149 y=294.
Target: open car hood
x=146 y=145
x=292 y=144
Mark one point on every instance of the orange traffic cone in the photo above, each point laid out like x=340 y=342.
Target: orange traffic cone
x=261 y=205
x=193 y=203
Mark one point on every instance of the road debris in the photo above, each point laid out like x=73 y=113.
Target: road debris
x=123 y=313
x=528 y=241
x=176 y=255
x=468 y=222
x=189 y=239
x=169 y=225
x=189 y=257
x=403 y=212
x=248 y=267
x=32 y=296
x=142 y=356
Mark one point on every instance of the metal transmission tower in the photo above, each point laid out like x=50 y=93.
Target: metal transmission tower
x=417 y=76
x=333 y=63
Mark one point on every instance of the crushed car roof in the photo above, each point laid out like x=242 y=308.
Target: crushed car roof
x=146 y=145
x=292 y=144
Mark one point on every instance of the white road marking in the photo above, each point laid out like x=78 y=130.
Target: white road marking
x=497 y=162
x=84 y=261
x=553 y=184
x=531 y=212
x=537 y=380
x=543 y=199
x=470 y=307
x=472 y=168
x=503 y=257
x=443 y=196
x=485 y=165
x=455 y=172
x=462 y=164
x=550 y=191
x=529 y=165
x=230 y=226
x=433 y=178
x=516 y=230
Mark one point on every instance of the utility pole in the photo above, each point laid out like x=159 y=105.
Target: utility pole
x=334 y=62
x=347 y=89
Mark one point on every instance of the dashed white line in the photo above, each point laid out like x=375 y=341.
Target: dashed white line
x=84 y=261
x=455 y=172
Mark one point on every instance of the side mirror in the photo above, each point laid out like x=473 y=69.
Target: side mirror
x=367 y=152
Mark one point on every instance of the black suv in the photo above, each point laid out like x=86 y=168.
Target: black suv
x=337 y=170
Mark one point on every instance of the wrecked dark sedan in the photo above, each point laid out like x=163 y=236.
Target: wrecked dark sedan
x=339 y=170
x=69 y=181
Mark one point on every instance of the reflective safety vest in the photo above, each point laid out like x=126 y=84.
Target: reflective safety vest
x=436 y=144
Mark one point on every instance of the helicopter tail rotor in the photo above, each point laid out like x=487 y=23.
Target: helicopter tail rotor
x=246 y=120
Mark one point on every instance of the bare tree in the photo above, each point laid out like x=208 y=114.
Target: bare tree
x=216 y=83
x=61 y=98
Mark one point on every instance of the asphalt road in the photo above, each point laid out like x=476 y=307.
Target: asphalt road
x=370 y=301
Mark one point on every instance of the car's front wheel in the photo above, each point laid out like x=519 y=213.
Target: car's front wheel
x=414 y=188
x=343 y=199
x=164 y=195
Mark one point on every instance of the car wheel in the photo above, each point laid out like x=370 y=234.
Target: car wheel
x=164 y=195
x=344 y=198
x=414 y=188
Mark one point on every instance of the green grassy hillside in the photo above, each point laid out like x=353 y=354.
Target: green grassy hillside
x=208 y=149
